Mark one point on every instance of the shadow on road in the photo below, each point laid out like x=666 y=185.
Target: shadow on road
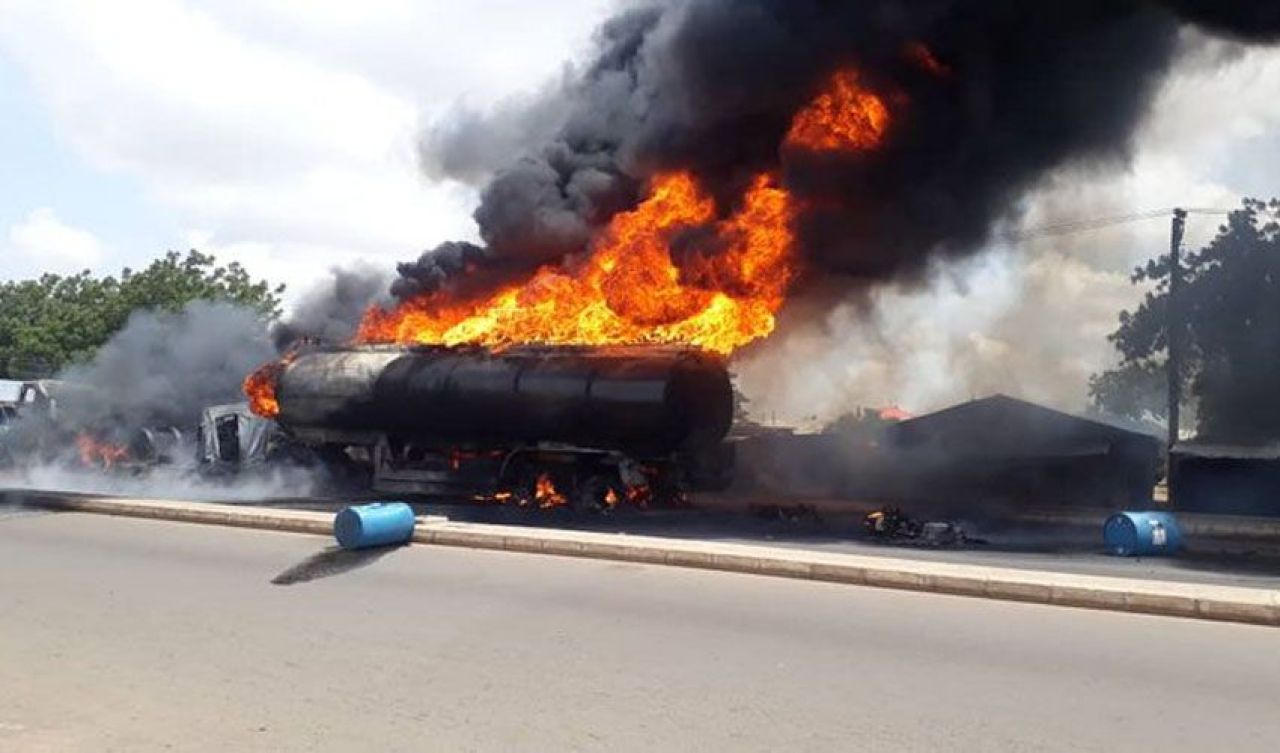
x=331 y=561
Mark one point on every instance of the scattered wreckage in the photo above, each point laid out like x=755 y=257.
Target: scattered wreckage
x=46 y=424
x=890 y=525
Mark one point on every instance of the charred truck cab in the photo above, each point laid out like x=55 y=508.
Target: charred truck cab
x=548 y=425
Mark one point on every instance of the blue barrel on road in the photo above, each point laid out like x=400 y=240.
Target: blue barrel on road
x=1135 y=534
x=374 y=524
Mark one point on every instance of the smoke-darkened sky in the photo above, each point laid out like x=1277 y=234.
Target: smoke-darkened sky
x=711 y=86
x=285 y=136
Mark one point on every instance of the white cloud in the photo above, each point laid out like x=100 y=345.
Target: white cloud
x=157 y=87
x=43 y=242
x=284 y=129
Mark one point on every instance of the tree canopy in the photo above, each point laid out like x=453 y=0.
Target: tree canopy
x=51 y=322
x=1231 y=306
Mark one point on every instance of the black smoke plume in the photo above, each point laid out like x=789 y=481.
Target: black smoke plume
x=711 y=86
x=1256 y=20
x=330 y=312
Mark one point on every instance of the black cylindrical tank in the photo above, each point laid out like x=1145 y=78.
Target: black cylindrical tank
x=639 y=398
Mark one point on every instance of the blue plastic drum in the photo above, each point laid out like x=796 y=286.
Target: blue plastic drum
x=375 y=524
x=1140 y=534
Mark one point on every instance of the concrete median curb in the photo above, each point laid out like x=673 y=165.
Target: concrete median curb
x=1201 y=601
x=1192 y=524
x=1253 y=529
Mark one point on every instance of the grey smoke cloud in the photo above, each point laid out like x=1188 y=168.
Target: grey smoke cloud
x=470 y=145
x=330 y=311
x=163 y=368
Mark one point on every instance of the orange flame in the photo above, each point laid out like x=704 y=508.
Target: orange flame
x=845 y=117
x=629 y=290
x=260 y=386
x=639 y=495
x=922 y=56
x=545 y=493
x=501 y=497
x=94 y=453
x=894 y=413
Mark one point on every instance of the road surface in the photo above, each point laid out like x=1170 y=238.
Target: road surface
x=134 y=635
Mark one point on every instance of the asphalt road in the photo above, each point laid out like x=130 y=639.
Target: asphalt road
x=137 y=635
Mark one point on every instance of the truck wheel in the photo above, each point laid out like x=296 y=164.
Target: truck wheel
x=596 y=494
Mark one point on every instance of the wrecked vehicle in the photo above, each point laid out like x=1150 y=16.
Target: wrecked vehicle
x=47 y=423
x=8 y=416
x=231 y=438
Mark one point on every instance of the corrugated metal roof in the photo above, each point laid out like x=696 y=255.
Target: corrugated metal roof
x=1010 y=406
x=1004 y=426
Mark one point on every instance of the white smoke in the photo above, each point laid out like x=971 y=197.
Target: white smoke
x=177 y=481
x=157 y=373
x=1030 y=317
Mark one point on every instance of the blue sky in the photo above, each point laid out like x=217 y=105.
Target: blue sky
x=43 y=171
x=278 y=133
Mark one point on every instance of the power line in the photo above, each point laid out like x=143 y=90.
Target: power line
x=1078 y=226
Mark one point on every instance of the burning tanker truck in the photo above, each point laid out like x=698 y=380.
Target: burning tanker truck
x=586 y=426
x=710 y=160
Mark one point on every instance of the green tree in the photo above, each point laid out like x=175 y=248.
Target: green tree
x=1231 y=302
x=56 y=320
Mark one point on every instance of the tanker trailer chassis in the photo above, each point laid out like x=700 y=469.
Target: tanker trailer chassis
x=539 y=426
x=542 y=476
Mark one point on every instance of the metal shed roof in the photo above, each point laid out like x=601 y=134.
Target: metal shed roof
x=1006 y=426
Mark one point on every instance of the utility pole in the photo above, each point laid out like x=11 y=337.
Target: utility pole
x=1175 y=322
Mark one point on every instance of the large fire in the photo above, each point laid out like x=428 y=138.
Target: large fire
x=723 y=291
x=845 y=117
x=629 y=289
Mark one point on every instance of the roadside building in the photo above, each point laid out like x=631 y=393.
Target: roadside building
x=1002 y=450
x=1226 y=479
x=992 y=453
